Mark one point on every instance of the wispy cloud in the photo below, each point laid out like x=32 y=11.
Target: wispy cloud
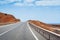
x=47 y=3
x=29 y=1
x=32 y=2
x=8 y=1
x=18 y=4
x=23 y=4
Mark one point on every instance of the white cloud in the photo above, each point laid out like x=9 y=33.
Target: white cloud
x=8 y=1
x=30 y=4
x=19 y=4
x=47 y=3
x=23 y=4
x=50 y=0
x=29 y=1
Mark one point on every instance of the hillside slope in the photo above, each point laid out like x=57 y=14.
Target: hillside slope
x=7 y=18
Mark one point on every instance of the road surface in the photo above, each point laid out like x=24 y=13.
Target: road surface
x=18 y=31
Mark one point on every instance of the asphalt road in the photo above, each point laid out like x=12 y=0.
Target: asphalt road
x=18 y=31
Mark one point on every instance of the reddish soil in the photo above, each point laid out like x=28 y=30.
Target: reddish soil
x=43 y=25
x=55 y=25
x=7 y=18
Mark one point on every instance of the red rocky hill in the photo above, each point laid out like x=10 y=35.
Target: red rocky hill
x=44 y=25
x=7 y=18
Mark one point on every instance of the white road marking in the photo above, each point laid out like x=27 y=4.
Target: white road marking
x=7 y=25
x=7 y=31
x=32 y=32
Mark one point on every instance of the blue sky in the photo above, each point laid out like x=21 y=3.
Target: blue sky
x=47 y=11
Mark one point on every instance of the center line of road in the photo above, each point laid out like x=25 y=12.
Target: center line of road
x=32 y=32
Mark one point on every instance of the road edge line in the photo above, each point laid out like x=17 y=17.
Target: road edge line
x=32 y=32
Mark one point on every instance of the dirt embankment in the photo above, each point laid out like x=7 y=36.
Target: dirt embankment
x=56 y=25
x=7 y=18
x=43 y=25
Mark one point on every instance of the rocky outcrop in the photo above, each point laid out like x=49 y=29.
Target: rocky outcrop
x=7 y=18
